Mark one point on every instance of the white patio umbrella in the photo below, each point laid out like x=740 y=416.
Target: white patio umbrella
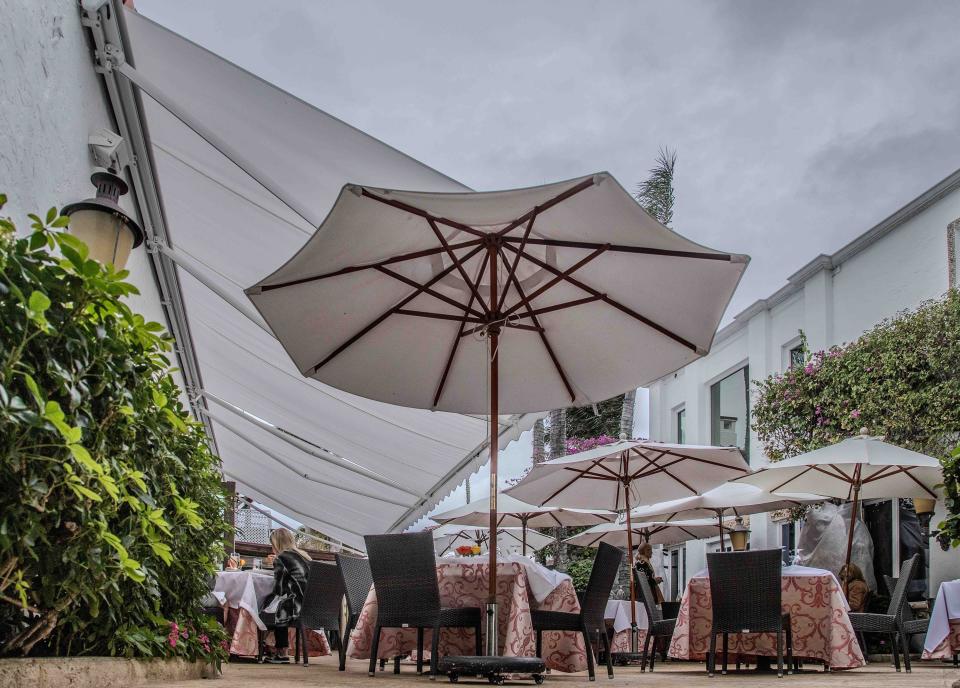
x=628 y=473
x=861 y=467
x=656 y=533
x=511 y=512
x=506 y=301
x=736 y=499
x=448 y=537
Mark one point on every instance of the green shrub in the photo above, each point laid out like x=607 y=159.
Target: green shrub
x=111 y=512
x=901 y=380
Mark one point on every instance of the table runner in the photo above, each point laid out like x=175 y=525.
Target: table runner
x=943 y=634
x=818 y=615
x=463 y=583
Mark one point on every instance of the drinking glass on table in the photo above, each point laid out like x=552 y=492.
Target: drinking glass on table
x=257 y=563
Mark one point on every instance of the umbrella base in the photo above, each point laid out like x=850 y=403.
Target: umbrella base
x=495 y=669
x=624 y=658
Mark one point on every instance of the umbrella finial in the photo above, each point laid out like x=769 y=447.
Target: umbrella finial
x=623 y=437
x=864 y=433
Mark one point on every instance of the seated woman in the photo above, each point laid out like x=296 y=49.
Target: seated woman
x=644 y=567
x=290 y=568
x=857 y=590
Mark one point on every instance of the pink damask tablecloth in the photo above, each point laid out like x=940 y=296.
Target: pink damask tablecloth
x=818 y=617
x=943 y=633
x=464 y=584
x=244 y=592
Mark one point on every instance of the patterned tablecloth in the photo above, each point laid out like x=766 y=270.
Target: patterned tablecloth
x=618 y=614
x=818 y=616
x=943 y=634
x=244 y=592
x=464 y=584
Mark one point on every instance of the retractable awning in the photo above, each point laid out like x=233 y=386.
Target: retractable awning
x=245 y=173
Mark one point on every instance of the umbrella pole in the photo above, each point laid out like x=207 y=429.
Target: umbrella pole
x=493 y=333
x=633 y=592
x=720 y=524
x=524 y=522
x=853 y=523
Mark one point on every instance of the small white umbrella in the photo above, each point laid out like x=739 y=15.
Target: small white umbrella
x=736 y=499
x=628 y=473
x=448 y=537
x=656 y=533
x=861 y=467
x=511 y=512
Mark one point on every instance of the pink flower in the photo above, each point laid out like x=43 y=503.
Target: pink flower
x=184 y=634
x=855 y=413
x=809 y=368
x=172 y=639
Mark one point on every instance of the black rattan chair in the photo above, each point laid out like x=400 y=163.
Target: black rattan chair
x=357 y=581
x=657 y=626
x=321 y=604
x=893 y=623
x=593 y=603
x=745 y=588
x=404 y=569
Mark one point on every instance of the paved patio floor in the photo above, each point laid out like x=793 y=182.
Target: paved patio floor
x=323 y=672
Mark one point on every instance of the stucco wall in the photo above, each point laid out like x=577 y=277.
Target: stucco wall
x=51 y=100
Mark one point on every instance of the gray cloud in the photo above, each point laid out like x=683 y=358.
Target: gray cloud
x=798 y=124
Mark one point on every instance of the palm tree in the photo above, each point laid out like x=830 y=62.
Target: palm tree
x=655 y=194
x=539 y=450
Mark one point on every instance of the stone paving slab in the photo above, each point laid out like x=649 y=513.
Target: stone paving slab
x=323 y=672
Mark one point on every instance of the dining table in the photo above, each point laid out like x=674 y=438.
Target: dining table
x=943 y=633
x=819 y=620
x=242 y=593
x=617 y=614
x=522 y=585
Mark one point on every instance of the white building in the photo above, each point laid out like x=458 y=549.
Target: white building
x=907 y=258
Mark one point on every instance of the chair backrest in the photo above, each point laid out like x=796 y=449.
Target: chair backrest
x=323 y=597
x=898 y=597
x=642 y=587
x=745 y=588
x=606 y=563
x=357 y=581
x=404 y=569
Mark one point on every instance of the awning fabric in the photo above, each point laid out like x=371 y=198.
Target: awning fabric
x=237 y=232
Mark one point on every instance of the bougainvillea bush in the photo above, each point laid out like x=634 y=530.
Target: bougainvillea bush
x=111 y=509
x=901 y=380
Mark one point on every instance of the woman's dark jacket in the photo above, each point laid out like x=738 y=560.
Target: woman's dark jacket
x=289 y=584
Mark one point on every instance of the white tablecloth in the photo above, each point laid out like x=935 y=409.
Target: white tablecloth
x=619 y=612
x=945 y=608
x=542 y=581
x=245 y=590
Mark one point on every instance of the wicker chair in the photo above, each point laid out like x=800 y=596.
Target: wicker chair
x=593 y=603
x=657 y=626
x=404 y=572
x=893 y=623
x=745 y=588
x=357 y=581
x=322 y=602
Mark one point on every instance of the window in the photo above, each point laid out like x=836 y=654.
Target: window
x=682 y=426
x=788 y=541
x=796 y=357
x=730 y=412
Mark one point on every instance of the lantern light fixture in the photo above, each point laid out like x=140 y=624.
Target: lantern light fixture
x=107 y=230
x=738 y=535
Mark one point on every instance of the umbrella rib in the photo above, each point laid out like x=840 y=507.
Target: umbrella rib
x=559 y=307
x=840 y=475
x=356 y=268
x=543 y=335
x=560 y=276
x=456 y=261
x=340 y=349
x=580 y=474
x=611 y=302
x=456 y=341
x=790 y=480
x=439 y=316
x=425 y=289
x=413 y=210
x=546 y=205
x=925 y=488
x=620 y=248
x=688 y=457
x=516 y=262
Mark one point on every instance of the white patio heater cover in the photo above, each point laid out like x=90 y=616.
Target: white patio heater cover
x=390 y=297
x=656 y=533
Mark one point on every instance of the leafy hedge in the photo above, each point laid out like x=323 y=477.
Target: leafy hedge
x=901 y=380
x=111 y=512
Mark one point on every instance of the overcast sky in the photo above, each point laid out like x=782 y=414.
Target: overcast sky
x=798 y=125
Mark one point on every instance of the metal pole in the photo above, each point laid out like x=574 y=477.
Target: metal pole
x=633 y=592
x=720 y=524
x=494 y=340
x=853 y=523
